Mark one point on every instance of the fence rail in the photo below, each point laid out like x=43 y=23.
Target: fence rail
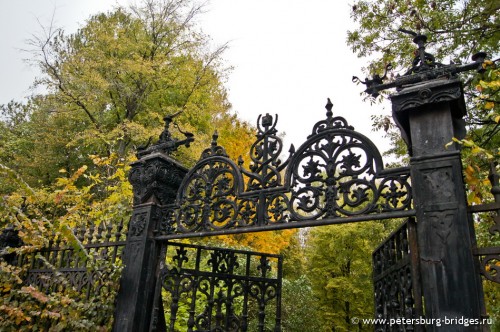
x=84 y=265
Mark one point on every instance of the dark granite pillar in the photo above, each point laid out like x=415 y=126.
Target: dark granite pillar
x=429 y=115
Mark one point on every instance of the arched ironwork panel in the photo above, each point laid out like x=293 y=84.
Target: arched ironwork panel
x=336 y=176
x=338 y=172
x=208 y=196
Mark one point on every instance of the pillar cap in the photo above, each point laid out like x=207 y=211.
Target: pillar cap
x=415 y=96
x=426 y=96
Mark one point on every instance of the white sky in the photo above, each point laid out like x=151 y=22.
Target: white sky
x=288 y=56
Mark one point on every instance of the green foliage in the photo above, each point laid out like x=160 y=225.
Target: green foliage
x=457 y=29
x=47 y=213
x=300 y=311
x=339 y=267
x=482 y=144
x=294 y=260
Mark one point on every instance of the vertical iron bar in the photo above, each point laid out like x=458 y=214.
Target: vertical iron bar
x=196 y=278
x=277 y=327
x=246 y=285
x=415 y=271
x=158 y=323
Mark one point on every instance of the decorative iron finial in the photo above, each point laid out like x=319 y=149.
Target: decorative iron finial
x=166 y=143
x=422 y=61
x=215 y=149
x=331 y=122
x=424 y=68
x=371 y=84
x=329 y=106
x=265 y=163
x=215 y=137
x=267 y=120
x=165 y=135
x=266 y=124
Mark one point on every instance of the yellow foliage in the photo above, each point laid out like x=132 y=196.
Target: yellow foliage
x=272 y=242
x=35 y=293
x=489 y=105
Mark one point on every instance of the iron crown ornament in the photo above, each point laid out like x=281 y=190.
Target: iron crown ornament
x=424 y=68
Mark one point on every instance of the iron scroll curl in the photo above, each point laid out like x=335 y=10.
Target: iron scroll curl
x=338 y=173
x=335 y=176
x=207 y=197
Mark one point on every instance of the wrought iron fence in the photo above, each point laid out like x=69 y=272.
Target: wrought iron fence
x=61 y=265
x=489 y=257
x=213 y=289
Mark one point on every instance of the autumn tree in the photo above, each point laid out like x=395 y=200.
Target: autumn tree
x=456 y=31
x=64 y=153
x=106 y=89
x=109 y=85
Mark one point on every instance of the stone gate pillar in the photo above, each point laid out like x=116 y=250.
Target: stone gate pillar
x=428 y=108
x=429 y=115
x=155 y=178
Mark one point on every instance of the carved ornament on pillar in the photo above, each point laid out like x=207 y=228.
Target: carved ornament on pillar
x=138 y=224
x=156 y=176
x=442 y=223
x=439 y=184
x=429 y=93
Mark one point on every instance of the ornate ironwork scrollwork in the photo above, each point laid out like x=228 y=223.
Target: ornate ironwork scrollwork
x=208 y=199
x=490 y=267
x=266 y=167
x=336 y=173
x=219 y=289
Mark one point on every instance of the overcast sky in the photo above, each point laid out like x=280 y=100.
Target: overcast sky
x=288 y=56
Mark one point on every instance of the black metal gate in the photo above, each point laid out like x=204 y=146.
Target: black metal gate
x=336 y=176
x=213 y=289
x=396 y=280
